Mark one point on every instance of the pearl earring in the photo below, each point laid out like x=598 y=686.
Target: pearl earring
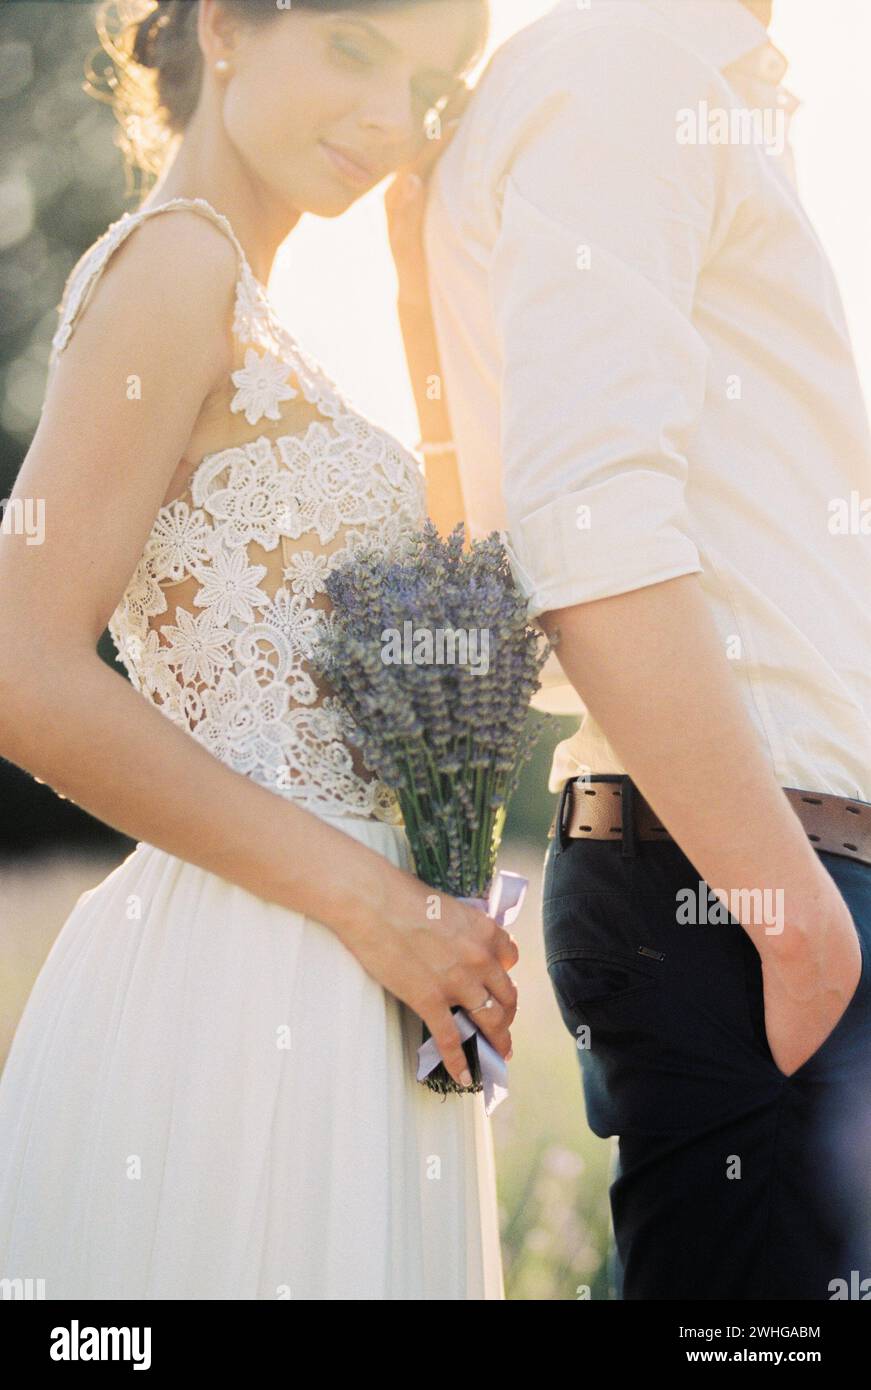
x=222 y=67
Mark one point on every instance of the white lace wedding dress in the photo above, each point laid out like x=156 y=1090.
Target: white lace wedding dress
x=207 y=1097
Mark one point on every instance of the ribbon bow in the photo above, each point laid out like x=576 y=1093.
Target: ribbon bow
x=503 y=905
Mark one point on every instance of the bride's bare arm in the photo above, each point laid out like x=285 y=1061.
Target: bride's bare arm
x=102 y=462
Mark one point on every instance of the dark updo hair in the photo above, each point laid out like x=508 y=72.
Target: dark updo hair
x=156 y=65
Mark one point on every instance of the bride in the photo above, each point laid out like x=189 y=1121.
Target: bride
x=211 y=1091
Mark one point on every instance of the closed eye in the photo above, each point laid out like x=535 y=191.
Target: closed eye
x=349 y=50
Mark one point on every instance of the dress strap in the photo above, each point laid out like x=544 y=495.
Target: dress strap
x=250 y=296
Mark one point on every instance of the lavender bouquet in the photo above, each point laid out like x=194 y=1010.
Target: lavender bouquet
x=435 y=662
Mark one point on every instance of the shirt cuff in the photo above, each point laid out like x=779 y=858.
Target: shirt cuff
x=615 y=536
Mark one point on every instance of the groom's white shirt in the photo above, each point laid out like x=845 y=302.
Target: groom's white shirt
x=647 y=364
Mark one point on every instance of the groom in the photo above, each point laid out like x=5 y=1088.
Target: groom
x=652 y=390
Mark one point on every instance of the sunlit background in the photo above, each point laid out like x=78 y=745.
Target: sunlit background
x=60 y=186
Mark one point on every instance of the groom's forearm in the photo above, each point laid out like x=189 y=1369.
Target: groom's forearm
x=650 y=668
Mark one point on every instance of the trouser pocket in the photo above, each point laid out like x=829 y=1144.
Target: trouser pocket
x=658 y=1008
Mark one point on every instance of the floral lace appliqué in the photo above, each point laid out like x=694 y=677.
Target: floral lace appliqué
x=217 y=622
x=262 y=384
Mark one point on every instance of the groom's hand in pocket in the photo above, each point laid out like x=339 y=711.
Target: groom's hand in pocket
x=809 y=976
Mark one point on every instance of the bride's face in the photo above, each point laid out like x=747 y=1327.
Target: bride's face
x=321 y=107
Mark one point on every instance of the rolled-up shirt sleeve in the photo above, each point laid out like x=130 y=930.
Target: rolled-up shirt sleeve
x=605 y=223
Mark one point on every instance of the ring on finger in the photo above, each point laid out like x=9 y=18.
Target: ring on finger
x=488 y=1003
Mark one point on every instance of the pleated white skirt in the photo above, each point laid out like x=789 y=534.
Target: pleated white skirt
x=207 y=1097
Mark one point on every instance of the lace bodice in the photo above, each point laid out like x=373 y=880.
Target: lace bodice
x=216 y=622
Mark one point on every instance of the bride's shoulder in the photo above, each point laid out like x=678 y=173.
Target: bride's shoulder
x=170 y=273
x=172 y=235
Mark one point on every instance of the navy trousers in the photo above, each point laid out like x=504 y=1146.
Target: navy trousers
x=734 y=1180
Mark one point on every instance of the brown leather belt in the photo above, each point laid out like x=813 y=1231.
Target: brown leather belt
x=606 y=805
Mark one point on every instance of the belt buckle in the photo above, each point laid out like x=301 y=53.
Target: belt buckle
x=557 y=825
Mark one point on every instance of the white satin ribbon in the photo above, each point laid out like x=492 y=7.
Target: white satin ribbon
x=504 y=903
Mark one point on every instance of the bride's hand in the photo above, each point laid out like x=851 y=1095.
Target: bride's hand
x=405 y=204
x=460 y=958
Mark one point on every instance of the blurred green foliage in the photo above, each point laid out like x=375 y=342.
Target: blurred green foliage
x=532 y=806
x=61 y=183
